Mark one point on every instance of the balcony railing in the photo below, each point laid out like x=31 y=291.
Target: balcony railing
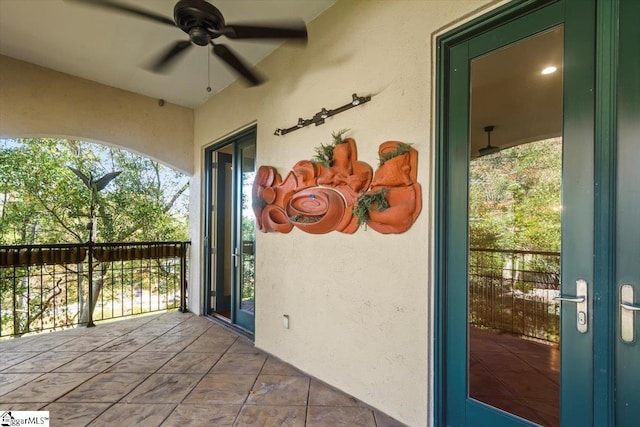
x=512 y=291
x=56 y=286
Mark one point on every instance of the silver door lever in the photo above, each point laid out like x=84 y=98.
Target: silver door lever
x=582 y=307
x=235 y=256
x=627 y=313
x=629 y=307
x=569 y=298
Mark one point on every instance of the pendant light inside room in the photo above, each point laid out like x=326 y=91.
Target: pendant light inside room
x=489 y=149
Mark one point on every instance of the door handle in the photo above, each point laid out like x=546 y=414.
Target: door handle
x=235 y=256
x=569 y=298
x=627 y=313
x=629 y=307
x=582 y=306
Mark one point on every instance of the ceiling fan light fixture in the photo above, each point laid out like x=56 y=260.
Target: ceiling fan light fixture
x=199 y=36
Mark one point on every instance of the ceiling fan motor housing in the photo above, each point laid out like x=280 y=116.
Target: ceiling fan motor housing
x=200 y=19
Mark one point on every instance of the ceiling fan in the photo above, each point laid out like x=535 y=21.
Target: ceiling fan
x=204 y=23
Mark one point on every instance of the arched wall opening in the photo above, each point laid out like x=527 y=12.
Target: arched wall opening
x=38 y=102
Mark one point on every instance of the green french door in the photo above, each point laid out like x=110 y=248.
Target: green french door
x=539 y=217
x=244 y=235
x=229 y=274
x=626 y=274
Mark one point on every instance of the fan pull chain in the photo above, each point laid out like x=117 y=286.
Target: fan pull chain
x=208 y=72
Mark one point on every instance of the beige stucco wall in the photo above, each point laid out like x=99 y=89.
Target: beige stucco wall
x=359 y=305
x=36 y=101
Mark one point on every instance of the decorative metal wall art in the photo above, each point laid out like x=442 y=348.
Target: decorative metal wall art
x=340 y=196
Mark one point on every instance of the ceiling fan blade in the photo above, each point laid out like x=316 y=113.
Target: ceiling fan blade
x=108 y=4
x=224 y=53
x=163 y=63
x=297 y=31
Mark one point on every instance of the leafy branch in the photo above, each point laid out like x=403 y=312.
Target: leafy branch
x=301 y=219
x=324 y=153
x=403 y=148
x=372 y=200
x=57 y=217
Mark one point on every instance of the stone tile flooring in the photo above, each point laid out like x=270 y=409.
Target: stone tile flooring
x=169 y=369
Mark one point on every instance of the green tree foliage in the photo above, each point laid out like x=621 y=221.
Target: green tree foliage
x=514 y=198
x=515 y=205
x=43 y=201
x=248 y=230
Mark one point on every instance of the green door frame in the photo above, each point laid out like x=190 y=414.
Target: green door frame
x=240 y=317
x=210 y=168
x=625 y=141
x=600 y=20
x=605 y=207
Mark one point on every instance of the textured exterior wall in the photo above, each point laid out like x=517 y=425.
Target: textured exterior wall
x=36 y=101
x=359 y=305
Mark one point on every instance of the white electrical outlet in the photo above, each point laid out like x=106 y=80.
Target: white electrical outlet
x=285 y=321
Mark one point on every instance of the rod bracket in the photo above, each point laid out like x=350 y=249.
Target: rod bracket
x=320 y=117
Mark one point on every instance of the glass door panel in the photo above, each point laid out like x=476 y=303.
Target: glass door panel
x=518 y=220
x=514 y=227
x=245 y=248
x=224 y=204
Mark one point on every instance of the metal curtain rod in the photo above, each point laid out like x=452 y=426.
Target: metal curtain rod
x=323 y=114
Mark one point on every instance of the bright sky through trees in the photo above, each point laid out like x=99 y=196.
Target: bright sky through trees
x=43 y=201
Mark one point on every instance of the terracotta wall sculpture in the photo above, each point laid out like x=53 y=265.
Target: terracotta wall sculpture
x=340 y=192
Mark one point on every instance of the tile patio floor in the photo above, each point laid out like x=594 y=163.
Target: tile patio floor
x=170 y=369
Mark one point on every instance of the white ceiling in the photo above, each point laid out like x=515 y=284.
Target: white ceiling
x=509 y=92
x=111 y=48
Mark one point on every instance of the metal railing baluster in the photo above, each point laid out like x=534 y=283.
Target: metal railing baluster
x=512 y=290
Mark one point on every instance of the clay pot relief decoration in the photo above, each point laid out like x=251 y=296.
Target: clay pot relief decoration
x=336 y=191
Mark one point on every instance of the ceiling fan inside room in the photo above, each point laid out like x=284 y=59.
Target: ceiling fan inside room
x=204 y=23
